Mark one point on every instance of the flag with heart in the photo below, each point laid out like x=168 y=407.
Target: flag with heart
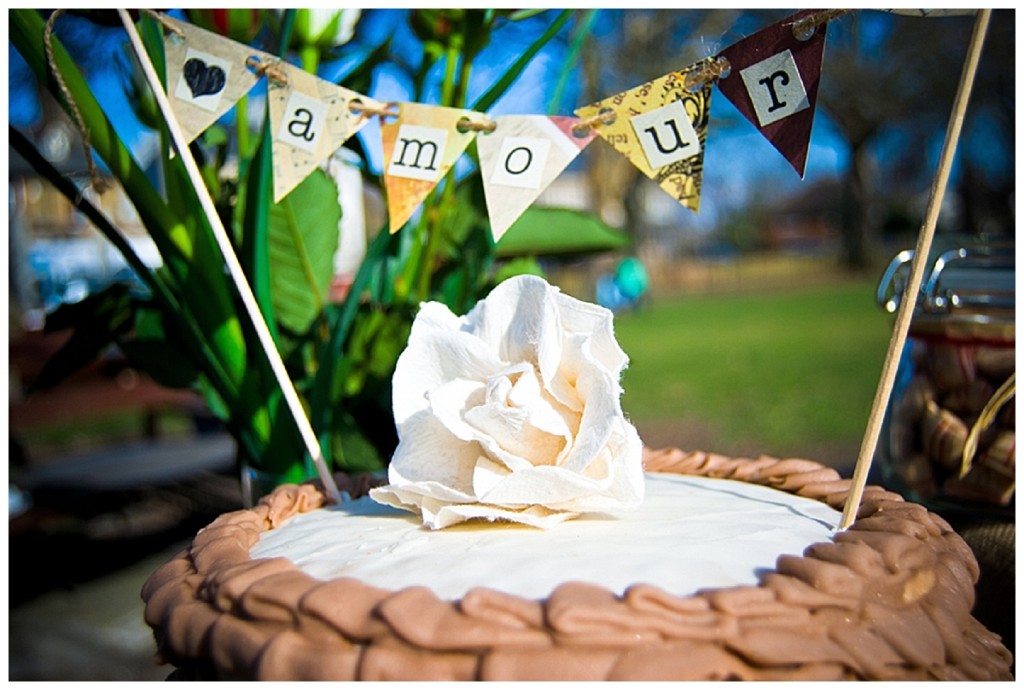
x=420 y=147
x=773 y=81
x=206 y=75
x=310 y=119
x=521 y=158
x=661 y=127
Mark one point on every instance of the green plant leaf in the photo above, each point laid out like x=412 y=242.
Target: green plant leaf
x=578 y=233
x=351 y=448
x=568 y=66
x=95 y=322
x=256 y=202
x=158 y=351
x=196 y=273
x=158 y=281
x=523 y=265
x=519 y=15
x=303 y=238
x=506 y=80
x=333 y=355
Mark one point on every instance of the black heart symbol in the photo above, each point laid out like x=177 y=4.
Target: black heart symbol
x=203 y=79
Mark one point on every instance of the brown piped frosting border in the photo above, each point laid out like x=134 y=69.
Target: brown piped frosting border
x=889 y=598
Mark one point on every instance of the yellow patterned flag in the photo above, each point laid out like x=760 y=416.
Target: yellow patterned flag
x=661 y=127
x=206 y=75
x=310 y=119
x=521 y=158
x=419 y=149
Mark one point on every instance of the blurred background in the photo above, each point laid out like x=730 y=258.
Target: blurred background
x=752 y=327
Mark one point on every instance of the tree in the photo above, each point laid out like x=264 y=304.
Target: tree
x=888 y=84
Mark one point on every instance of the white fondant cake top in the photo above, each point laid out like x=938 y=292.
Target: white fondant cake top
x=690 y=533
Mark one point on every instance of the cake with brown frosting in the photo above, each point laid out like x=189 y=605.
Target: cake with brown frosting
x=888 y=598
x=525 y=534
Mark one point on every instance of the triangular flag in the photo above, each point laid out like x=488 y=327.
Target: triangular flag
x=309 y=119
x=420 y=147
x=206 y=75
x=520 y=158
x=773 y=81
x=661 y=127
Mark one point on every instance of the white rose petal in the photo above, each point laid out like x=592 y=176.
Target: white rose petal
x=512 y=412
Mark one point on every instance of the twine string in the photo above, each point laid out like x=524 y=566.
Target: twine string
x=165 y=22
x=467 y=125
x=95 y=181
x=707 y=71
x=270 y=68
x=605 y=116
x=804 y=27
x=358 y=107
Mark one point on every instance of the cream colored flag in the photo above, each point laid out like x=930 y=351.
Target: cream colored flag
x=206 y=75
x=310 y=118
x=419 y=149
x=661 y=127
x=521 y=157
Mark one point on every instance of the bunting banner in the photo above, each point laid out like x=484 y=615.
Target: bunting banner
x=773 y=81
x=521 y=158
x=661 y=127
x=420 y=147
x=206 y=75
x=310 y=119
x=771 y=77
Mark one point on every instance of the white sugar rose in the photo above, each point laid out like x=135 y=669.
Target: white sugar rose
x=512 y=412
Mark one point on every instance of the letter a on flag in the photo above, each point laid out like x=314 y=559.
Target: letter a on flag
x=309 y=119
x=520 y=158
x=419 y=149
x=206 y=75
x=661 y=127
x=773 y=81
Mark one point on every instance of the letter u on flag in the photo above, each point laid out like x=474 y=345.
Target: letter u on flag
x=520 y=158
x=661 y=127
x=773 y=81
x=309 y=119
x=206 y=75
x=419 y=149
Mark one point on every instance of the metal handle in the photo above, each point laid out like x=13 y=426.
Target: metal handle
x=890 y=300
x=934 y=296
x=943 y=300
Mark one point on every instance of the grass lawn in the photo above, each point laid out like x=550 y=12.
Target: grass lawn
x=784 y=372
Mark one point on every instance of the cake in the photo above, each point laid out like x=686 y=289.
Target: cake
x=888 y=598
x=524 y=533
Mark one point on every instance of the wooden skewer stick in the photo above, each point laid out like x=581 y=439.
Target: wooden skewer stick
x=917 y=268
x=234 y=267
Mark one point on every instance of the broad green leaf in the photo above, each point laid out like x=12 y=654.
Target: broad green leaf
x=551 y=231
x=303 y=239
